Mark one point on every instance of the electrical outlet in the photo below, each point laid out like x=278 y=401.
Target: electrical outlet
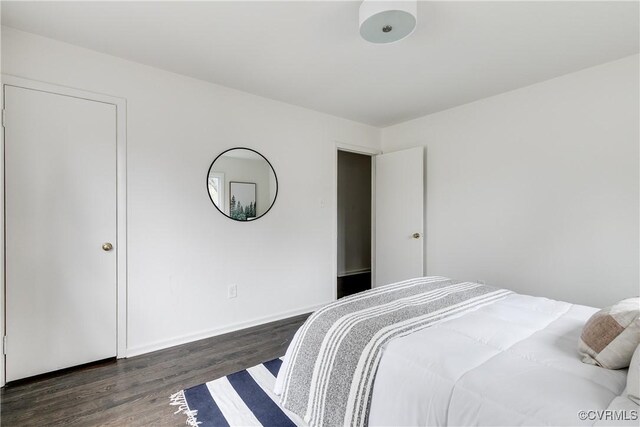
x=232 y=291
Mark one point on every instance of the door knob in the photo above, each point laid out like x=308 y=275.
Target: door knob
x=416 y=235
x=107 y=246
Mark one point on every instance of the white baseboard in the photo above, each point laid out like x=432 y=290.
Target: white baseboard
x=160 y=345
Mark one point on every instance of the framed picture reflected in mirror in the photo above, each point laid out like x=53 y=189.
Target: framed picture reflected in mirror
x=242 y=201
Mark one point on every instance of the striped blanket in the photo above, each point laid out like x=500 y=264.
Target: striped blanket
x=328 y=376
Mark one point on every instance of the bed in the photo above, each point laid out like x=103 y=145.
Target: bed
x=508 y=360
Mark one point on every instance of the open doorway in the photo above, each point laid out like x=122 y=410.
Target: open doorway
x=354 y=223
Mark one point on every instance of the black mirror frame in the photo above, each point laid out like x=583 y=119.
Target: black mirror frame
x=272 y=169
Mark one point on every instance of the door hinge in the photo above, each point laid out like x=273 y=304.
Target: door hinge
x=4 y=345
x=3 y=117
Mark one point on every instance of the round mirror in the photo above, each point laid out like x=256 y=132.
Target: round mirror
x=242 y=184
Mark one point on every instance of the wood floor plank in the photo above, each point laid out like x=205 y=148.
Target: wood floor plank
x=135 y=391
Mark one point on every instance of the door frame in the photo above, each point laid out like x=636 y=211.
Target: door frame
x=121 y=202
x=366 y=151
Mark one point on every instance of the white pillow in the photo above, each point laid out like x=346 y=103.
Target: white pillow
x=633 y=378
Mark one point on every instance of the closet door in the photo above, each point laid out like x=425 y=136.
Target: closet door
x=399 y=216
x=60 y=178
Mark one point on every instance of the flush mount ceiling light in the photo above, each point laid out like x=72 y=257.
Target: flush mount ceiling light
x=387 y=21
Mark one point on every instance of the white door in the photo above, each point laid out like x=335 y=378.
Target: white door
x=399 y=216
x=60 y=178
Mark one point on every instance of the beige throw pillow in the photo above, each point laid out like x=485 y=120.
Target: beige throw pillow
x=611 y=335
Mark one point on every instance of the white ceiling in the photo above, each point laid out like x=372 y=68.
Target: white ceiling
x=310 y=53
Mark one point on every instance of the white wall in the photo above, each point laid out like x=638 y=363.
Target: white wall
x=354 y=213
x=536 y=189
x=182 y=252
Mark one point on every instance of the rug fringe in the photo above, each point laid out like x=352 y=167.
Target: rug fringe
x=178 y=399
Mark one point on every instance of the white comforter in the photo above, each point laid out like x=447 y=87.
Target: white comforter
x=513 y=362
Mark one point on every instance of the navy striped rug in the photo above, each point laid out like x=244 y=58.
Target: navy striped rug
x=244 y=398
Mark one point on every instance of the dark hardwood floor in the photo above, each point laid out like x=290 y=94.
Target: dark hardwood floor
x=135 y=391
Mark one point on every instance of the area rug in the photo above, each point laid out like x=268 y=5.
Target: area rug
x=244 y=398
